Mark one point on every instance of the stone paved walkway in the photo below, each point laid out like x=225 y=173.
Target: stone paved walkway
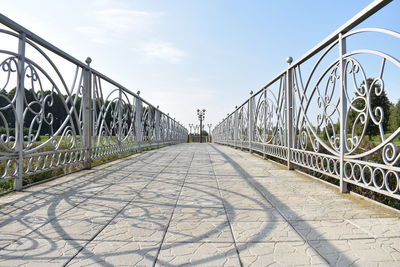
x=194 y=204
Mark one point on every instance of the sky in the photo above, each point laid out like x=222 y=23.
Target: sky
x=187 y=54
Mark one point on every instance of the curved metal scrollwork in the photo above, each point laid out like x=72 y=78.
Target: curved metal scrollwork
x=339 y=116
x=57 y=112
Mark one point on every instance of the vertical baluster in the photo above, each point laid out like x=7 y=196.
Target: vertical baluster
x=289 y=113
x=251 y=121
x=119 y=110
x=343 y=111
x=264 y=123
x=235 y=128
x=157 y=126
x=138 y=122
x=19 y=120
x=87 y=113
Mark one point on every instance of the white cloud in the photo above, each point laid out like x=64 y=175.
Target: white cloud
x=126 y=20
x=108 y=26
x=95 y=34
x=164 y=51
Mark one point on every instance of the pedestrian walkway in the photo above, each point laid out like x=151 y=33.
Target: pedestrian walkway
x=194 y=204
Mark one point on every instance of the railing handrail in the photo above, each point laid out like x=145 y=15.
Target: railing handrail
x=350 y=24
x=361 y=16
x=330 y=138
x=42 y=42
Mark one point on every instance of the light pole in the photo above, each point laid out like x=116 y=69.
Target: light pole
x=209 y=130
x=201 y=114
x=190 y=127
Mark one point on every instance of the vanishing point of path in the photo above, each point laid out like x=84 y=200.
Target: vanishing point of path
x=194 y=204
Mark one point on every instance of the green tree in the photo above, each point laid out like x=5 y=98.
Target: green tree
x=375 y=100
x=394 y=119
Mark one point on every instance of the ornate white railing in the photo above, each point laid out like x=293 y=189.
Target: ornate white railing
x=319 y=113
x=56 y=111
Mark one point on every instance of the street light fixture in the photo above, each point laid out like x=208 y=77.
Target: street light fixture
x=209 y=129
x=190 y=126
x=201 y=115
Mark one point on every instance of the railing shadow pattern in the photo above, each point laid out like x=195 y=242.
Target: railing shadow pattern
x=133 y=214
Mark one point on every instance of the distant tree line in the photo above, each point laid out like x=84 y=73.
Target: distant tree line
x=55 y=105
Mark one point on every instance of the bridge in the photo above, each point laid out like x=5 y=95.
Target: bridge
x=304 y=172
x=194 y=204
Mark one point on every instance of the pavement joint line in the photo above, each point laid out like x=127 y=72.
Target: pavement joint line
x=226 y=213
x=172 y=213
x=49 y=221
x=273 y=205
x=119 y=212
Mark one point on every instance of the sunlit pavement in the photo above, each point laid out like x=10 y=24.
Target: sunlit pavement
x=194 y=204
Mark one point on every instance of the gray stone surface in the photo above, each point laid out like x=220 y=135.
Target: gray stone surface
x=194 y=204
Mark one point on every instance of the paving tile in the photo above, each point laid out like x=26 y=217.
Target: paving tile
x=187 y=201
x=241 y=201
x=359 y=252
x=329 y=212
x=147 y=212
x=109 y=253
x=246 y=232
x=21 y=224
x=198 y=254
x=379 y=227
x=195 y=232
x=35 y=251
x=128 y=229
x=199 y=214
x=329 y=230
x=279 y=254
x=253 y=215
x=70 y=229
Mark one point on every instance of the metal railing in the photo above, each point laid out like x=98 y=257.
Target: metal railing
x=57 y=112
x=327 y=120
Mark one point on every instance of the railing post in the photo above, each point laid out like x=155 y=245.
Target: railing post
x=138 y=122
x=343 y=112
x=235 y=128
x=19 y=120
x=172 y=130
x=251 y=121
x=157 y=126
x=289 y=113
x=265 y=121
x=87 y=114
x=119 y=110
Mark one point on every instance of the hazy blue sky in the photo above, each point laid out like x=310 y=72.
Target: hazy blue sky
x=184 y=55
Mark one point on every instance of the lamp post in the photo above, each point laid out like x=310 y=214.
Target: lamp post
x=209 y=131
x=201 y=114
x=190 y=127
